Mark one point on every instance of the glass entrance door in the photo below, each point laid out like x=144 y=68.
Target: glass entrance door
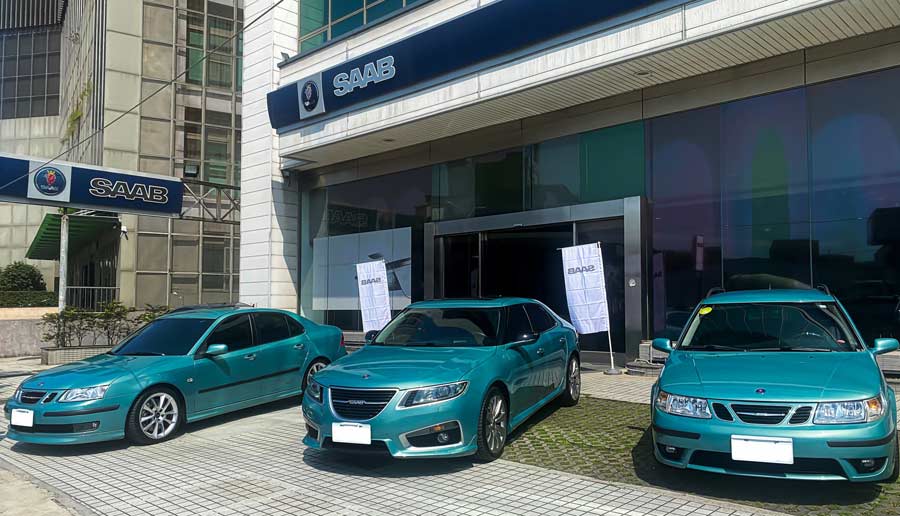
x=526 y=262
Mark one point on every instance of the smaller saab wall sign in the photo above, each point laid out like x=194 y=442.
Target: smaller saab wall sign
x=50 y=183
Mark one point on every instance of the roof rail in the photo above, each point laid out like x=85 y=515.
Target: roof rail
x=824 y=288
x=208 y=306
x=715 y=290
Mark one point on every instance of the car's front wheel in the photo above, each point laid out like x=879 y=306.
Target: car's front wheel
x=572 y=393
x=493 y=426
x=316 y=366
x=155 y=417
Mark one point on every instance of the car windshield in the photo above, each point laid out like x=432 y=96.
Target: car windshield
x=442 y=327
x=164 y=337
x=769 y=327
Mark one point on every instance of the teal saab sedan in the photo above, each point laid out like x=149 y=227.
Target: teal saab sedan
x=180 y=368
x=775 y=384
x=445 y=378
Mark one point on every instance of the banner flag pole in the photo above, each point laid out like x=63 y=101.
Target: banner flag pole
x=612 y=359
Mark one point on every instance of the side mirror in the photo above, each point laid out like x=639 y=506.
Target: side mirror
x=215 y=350
x=663 y=345
x=883 y=346
x=370 y=336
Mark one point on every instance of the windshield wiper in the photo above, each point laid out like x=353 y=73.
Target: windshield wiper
x=144 y=354
x=801 y=349
x=712 y=347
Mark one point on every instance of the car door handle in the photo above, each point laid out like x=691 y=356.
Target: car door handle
x=562 y=340
x=298 y=346
x=251 y=356
x=540 y=351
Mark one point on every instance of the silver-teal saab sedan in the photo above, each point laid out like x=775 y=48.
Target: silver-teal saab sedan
x=445 y=378
x=776 y=384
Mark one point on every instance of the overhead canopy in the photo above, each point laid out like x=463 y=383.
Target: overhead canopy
x=82 y=229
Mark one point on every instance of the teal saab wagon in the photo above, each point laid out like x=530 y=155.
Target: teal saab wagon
x=183 y=367
x=775 y=384
x=445 y=378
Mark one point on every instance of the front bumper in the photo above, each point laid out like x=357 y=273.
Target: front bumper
x=821 y=452
x=392 y=426
x=70 y=423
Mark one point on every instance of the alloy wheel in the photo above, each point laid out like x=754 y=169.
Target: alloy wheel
x=313 y=369
x=496 y=423
x=574 y=379
x=159 y=416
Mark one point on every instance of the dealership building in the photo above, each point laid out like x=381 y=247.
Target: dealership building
x=732 y=143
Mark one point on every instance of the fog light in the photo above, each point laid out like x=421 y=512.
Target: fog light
x=671 y=450
x=443 y=438
x=867 y=463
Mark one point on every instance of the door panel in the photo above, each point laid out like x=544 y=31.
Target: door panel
x=552 y=347
x=525 y=384
x=286 y=349
x=229 y=378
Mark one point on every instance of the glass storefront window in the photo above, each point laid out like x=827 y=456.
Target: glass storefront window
x=484 y=185
x=323 y=20
x=612 y=163
x=555 y=170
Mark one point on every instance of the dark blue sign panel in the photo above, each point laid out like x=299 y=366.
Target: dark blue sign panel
x=28 y=180
x=489 y=33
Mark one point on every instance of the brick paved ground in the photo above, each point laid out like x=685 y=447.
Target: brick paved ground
x=253 y=463
x=623 y=387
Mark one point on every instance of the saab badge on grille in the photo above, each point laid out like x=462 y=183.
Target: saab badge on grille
x=760 y=391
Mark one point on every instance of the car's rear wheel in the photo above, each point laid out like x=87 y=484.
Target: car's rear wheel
x=493 y=426
x=572 y=392
x=156 y=416
x=316 y=366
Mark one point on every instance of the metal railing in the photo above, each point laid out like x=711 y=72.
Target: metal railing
x=90 y=298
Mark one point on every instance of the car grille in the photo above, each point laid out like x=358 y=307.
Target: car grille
x=761 y=414
x=360 y=404
x=801 y=415
x=31 y=397
x=722 y=412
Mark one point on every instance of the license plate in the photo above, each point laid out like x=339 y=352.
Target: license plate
x=772 y=450
x=22 y=417
x=351 y=433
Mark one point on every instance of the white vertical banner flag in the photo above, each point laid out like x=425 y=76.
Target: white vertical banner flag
x=374 y=298
x=586 y=288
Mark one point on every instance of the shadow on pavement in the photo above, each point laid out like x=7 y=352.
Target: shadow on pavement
x=382 y=465
x=746 y=489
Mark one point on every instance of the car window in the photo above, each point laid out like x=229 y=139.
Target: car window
x=234 y=332
x=270 y=327
x=769 y=327
x=541 y=321
x=294 y=327
x=517 y=324
x=164 y=337
x=442 y=327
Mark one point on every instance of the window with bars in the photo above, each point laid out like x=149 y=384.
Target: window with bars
x=29 y=73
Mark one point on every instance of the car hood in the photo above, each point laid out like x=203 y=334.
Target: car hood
x=97 y=370
x=784 y=376
x=402 y=368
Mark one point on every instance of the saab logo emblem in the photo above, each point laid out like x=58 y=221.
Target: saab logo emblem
x=356 y=402
x=760 y=391
x=379 y=71
x=579 y=270
x=50 y=181
x=310 y=96
x=102 y=187
x=369 y=281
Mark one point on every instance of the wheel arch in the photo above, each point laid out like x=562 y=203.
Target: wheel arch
x=181 y=398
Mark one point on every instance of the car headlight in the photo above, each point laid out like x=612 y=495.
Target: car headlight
x=683 y=405
x=433 y=394
x=85 y=394
x=844 y=412
x=315 y=390
x=16 y=395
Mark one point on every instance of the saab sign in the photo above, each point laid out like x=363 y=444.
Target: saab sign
x=29 y=180
x=379 y=71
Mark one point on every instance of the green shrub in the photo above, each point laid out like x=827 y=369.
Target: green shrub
x=76 y=327
x=20 y=276
x=19 y=299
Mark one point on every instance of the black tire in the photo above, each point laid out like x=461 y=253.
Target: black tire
x=165 y=422
x=314 y=367
x=895 y=474
x=493 y=426
x=572 y=392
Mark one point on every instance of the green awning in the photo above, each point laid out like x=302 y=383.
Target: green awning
x=82 y=230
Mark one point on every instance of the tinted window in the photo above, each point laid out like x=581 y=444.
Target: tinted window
x=164 y=337
x=270 y=327
x=769 y=327
x=294 y=327
x=517 y=324
x=442 y=327
x=540 y=319
x=234 y=333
